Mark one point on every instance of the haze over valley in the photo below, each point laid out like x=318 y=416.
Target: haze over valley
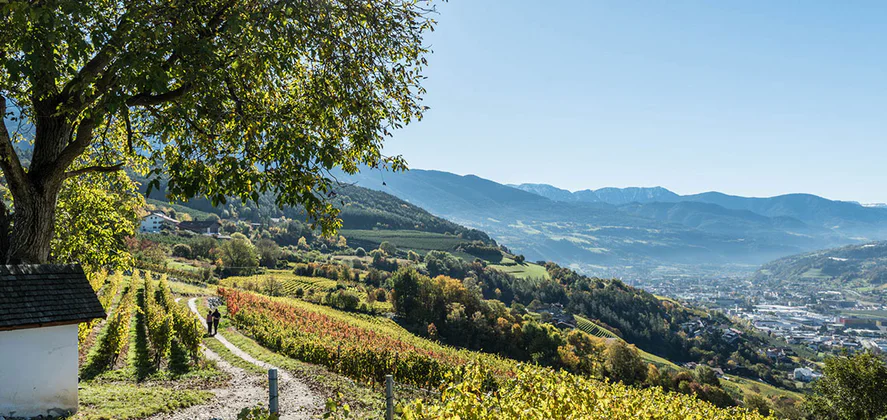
x=631 y=232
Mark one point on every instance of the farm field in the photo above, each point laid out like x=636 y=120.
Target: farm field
x=291 y=283
x=524 y=271
x=421 y=242
x=746 y=386
x=594 y=329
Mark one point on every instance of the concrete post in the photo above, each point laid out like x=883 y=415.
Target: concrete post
x=272 y=391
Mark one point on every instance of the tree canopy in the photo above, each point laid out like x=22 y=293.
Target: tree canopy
x=220 y=98
x=852 y=387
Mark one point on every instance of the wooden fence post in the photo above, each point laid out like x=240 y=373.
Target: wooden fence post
x=389 y=397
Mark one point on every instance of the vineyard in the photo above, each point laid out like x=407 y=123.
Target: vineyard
x=419 y=241
x=361 y=347
x=155 y=334
x=541 y=393
x=291 y=282
x=473 y=385
x=593 y=328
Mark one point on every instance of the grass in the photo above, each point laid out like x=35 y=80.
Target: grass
x=178 y=265
x=747 y=386
x=523 y=271
x=421 y=242
x=185 y=289
x=179 y=208
x=128 y=401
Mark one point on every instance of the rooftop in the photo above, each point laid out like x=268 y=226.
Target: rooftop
x=34 y=296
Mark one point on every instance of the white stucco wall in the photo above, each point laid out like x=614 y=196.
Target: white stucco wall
x=38 y=371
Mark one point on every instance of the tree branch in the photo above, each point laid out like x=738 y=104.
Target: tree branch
x=12 y=168
x=95 y=168
x=146 y=99
x=98 y=63
x=75 y=148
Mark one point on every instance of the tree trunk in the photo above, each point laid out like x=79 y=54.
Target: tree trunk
x=36 y=193
x=33 y=225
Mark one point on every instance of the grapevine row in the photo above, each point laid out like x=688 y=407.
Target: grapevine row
x=359 y=353
x=112 y=338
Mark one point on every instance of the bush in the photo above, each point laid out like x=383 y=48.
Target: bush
x=360 y=252
x=181 y=250
x=344 y=300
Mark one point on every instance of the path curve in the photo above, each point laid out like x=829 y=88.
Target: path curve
x=296 y=399
x=245 y=389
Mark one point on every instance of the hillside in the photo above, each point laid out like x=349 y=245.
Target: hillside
x=591 y=232
x=361 y=209
x=449 y=290
x=849 y=266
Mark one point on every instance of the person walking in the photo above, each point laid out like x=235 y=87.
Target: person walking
x=209 y=323
x=216 y=318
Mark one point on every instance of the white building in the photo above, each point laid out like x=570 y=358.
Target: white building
x=153 y=222
x=40 y=308
x=805 y=375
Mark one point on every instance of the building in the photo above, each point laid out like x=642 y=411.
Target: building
x=154 y=222
x=40 y=309
x=854 y=322
x=204 y=227
x=805 y=374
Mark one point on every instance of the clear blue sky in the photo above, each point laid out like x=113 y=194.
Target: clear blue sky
x=746 y=97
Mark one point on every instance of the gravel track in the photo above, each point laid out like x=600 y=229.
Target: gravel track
x=296 y=399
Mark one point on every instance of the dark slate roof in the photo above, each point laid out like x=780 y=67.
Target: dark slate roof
x=198 y=224
x=33 y=295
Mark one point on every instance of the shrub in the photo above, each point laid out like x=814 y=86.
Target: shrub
x=181 y=250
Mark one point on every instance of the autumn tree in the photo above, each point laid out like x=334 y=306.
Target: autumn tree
x=219 y=98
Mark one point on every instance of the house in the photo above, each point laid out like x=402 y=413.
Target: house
x=40 y=309
x=805 y=374
x=204 y=227
x=155 y=221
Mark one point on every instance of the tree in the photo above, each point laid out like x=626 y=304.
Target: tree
x=755 y=402
x=405 y=284
x=95 y=217
x=269 y=253
x=388 y=248
x=852 y=387
x=239 y=255
x=202 y=245
x=220 y=98
x=181 y=250
x=623 y=363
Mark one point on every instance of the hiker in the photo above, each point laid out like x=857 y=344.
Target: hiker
x=216 y=318
x=209 y=323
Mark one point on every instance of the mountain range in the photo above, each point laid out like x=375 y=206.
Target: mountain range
x=633 y=227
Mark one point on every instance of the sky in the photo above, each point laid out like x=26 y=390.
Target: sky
x=754 y=98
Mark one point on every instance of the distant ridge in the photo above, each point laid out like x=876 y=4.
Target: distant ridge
x=635 y=228
x=609 y=195
x=850 y=217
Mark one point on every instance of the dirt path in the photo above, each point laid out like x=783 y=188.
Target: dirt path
x=296 y=400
